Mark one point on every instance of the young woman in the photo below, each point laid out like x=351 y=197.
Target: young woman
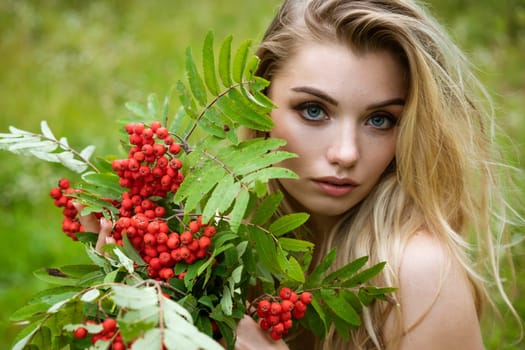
x=395 y=160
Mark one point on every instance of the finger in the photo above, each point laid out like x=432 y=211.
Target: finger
x=89 y=222
x=104 y=235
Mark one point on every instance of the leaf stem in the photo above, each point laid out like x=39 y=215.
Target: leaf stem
x=208 y=106
x=68 y=148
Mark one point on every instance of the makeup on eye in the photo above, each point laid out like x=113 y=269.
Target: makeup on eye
x=311 y=111
x=382 y=121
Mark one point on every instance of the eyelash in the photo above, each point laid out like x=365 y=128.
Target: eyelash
x=303 y=107
x=389 y=119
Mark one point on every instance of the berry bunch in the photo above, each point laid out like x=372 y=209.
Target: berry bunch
x=163 y=250
x=63 y=199
x=276 y=314
x=150 y=173
x=151 y=168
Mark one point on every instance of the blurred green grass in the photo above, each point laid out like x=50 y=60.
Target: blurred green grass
x=75 y=64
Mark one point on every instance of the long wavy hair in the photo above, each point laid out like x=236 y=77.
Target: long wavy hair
x=445 y=177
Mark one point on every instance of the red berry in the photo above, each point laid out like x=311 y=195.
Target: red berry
x=210 y=231
x=287 y=305
x=276 y=335
x=285 y=293
x=300 y=306
x=186 y=237
x=264 y=306
x=275 y=308
x=155 y=126
x=109 y=325
x=204 y=242
x=118 y=345
x=63 y=183
x=175 y=163
x=264 y=324
x=194 y=226
x=55 y=193
x=162 y=133
x=80 y=333
x=279 y=327
x=306 y=297
x=174 y=148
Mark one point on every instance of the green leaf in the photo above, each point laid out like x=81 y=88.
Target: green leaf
x=153 y=106
x=226 y=301
x=262 y=161
x=340 y=307
x=341 y=327
x=266 y=174
x=131 y=252
x=187 y=102
x=239 y=210
x=133 y=297
x=315 y=278
x=239 y=62
x=208 y=65
x=225 y=61
x=135 y=322
x=52 y=295
x=137 y=109
x=235 y=107
x=320 y=317
x=29 y=311
x=292 y=268
x=365 y=275
x=346 y=271
x=78 y=270
x=24 y=337
x=197 y=185
x=104 y=180
x=267 y=208
x=54 y=276
x=196 y=84
x=265 y=247
x=221 y=198
x=287 y=223
x=295 y=245
x=151 y=339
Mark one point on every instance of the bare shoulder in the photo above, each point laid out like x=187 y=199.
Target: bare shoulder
x=437 y=300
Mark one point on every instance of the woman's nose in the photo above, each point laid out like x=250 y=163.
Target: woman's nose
x=344 y=146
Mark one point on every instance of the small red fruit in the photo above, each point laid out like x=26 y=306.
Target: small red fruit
x=109 y=325
x=80 y=333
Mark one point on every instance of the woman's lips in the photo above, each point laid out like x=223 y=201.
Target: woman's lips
x=334 y=186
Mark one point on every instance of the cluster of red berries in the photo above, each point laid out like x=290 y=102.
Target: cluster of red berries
x=63 y=199
x=109 y=332
x=151 y=170
x=163 y=250
x=276 y=314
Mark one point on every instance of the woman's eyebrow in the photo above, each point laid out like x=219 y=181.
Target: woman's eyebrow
x=315 y=92
x=390 y=102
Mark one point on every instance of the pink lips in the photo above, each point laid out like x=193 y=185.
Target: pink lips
x=334 y=186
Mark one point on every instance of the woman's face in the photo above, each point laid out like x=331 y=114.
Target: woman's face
x=338 y=111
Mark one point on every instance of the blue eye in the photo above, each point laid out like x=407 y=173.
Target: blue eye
x=382 y=121
x=312 y=112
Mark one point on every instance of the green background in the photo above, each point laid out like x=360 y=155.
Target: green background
x=75 y=64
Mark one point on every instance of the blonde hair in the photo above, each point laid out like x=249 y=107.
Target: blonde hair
x=445 y=179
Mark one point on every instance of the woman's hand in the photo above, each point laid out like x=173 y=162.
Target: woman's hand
x=101 y=226
x=251 y=337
